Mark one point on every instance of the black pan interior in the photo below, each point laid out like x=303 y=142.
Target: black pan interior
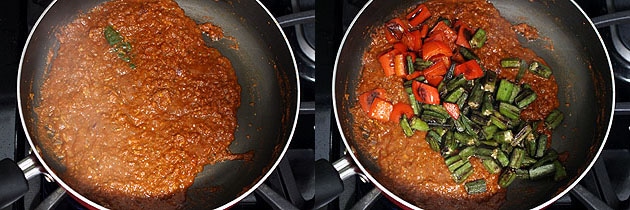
x=578 y=59
x=265 y=69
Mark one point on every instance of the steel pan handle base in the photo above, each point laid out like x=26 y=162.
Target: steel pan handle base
x=13 y=184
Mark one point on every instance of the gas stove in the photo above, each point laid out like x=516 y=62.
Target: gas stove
x=316 y=137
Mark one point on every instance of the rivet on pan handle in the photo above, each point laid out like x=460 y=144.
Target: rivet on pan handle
x=14 y=178
x=30 y=167
x=346 y=168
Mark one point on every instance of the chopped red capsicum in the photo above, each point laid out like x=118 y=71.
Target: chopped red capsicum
x=444 y=33
x=424 y=31
x=446 y=60
x=433 y=48
x=463 y=35
x=390 y=37
x=399 y=65
x=425 y=93
x=458 y=58
x=400 y=109
x=437 y=69
x=471 y=70
x=387 y=62
x=412 y=40
x=396 y=28
x=380 y=109
x=418 y=15
x=366 y=99
x=452 y=109
x=434 y=80
x=413 y=75
x=400 y=48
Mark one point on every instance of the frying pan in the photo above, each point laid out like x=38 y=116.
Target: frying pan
x=581 y=66
x=266 y=71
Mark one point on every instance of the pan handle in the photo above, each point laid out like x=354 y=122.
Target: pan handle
x=346 y=168
x=329 y=178
x=14 y=178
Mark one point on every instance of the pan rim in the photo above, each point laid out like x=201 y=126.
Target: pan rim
x=84 y=200
x=396 y=198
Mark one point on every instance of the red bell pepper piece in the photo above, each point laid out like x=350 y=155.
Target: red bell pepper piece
x=400 y=48
x=380 y=109
x=390 y=37
x=366 y=99
x=471 y=70
x=418 y=15
x=387 y=62
x=463 y=35
x=458 y=58
x=425 y=93
x=444 y=59
x=399 y=65
x=413 y=40
x=433 y=48
x=424 y=31
x=441 y=32
x=452 y=109
x=396 y=27
x=474 y=70
x=400 y=109
x=434 y=80
x=437 y=69
x=459 y=69
x=413 y=75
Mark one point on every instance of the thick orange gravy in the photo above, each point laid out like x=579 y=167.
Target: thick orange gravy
x=134 y=138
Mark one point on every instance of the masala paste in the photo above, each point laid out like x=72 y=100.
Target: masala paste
x=135 y=104
x=407 y=165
